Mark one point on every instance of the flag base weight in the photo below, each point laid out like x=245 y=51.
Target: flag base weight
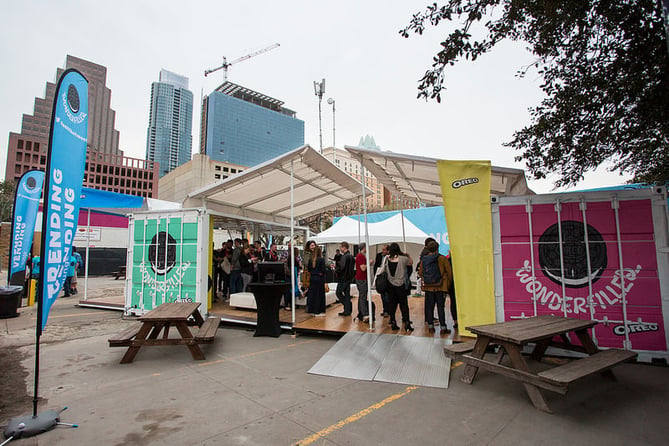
x=28 y=425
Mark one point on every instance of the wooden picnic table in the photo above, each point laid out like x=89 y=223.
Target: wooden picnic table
x=169 y=314
x=543 y=331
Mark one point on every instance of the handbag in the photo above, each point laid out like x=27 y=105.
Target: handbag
x=226 y=266
x=407 y=278
x=381 y=282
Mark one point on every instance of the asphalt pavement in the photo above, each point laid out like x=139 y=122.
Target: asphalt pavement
x=256 y=391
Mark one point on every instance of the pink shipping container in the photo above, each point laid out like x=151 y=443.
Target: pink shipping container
x=600 y=255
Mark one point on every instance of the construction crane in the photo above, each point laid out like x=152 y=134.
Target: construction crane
x=227 y=64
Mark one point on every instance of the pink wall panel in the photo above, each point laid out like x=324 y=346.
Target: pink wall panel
x=638 y=278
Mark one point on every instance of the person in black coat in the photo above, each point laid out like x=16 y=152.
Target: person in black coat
x=384 y=295
x=316 y=293
x=345 y=270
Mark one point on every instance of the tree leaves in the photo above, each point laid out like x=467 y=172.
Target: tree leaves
x=7 y=193
x=605 y=71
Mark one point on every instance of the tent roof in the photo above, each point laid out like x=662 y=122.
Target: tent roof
x=346 y=228
x=385 y=231
x=416 y=178
x=390 y=230
x=263 y=192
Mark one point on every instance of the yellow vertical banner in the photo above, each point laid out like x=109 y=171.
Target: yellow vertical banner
x=465 y=187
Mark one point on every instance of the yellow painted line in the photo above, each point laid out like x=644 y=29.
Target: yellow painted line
x=248 y=355
x=353 y=418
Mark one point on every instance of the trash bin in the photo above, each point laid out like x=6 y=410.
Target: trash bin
x=10 y=301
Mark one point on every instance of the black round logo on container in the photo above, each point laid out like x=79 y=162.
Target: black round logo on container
x=575 y=255
x=162 y=252
x=73 y=98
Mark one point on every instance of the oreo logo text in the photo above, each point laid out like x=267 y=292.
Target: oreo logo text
x=457 y=184
x=635 y=327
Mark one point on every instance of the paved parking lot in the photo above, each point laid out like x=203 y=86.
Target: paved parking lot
x=255 y=391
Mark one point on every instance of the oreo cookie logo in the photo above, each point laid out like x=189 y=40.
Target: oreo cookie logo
x=31 y=183
x=574 y=254
x=457 y=184
x=73 y=99
x=162 y=253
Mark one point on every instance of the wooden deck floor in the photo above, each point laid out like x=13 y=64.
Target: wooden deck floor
x=332 y=323
x=307 y=323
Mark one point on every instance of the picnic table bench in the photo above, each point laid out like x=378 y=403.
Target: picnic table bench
x=175 y=314
x=542 y=331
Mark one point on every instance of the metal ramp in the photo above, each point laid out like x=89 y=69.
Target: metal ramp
x=391 y=358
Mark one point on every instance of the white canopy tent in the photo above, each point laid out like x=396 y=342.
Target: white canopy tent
x=417 y=178
x=295 y=185
x=345 y=229
x=394 y=229
x=272 y=195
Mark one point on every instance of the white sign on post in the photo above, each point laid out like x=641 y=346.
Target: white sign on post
x=82 y=234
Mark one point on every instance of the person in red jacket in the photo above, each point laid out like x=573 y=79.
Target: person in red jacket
x=361 y=282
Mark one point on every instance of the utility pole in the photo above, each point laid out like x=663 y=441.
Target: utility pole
x=334 y=146
x=319 y=90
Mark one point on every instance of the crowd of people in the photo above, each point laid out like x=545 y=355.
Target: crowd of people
x=74 y=266
x=235 y=264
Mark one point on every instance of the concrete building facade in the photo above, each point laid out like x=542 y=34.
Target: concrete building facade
x=106 y=166
x=169 y=136
x=243 y=127
x=199 y=172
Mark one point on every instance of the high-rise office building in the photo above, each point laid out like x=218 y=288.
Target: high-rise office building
x=243 y=127
x=169 y=137
x=106 y=166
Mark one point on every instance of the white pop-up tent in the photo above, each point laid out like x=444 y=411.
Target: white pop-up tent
x=394 y=229
x=345 y=229
x=273 y=195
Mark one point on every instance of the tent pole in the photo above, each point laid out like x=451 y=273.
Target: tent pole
x=367 y=271
x=359 y=222
x=291 y=250
x=88 y=245
x=404 y=237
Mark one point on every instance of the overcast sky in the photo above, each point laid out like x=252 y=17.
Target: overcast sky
x=371 y=71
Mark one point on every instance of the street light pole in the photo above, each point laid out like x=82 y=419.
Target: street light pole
x=334 y=146
x=319 y=90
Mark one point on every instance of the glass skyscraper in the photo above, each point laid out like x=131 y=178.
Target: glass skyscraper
x=244 y=127
x=169 y=137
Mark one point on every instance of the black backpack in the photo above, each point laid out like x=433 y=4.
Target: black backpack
x=431 y=271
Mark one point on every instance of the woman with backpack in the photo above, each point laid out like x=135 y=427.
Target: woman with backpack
x=395 y=266
x=436 y=278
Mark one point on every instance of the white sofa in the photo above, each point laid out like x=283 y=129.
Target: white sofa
x=330 y=297
x=247 y=300
x=243 y=300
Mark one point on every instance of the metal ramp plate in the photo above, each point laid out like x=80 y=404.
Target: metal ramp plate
x=416 y=361
x=388 y=358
